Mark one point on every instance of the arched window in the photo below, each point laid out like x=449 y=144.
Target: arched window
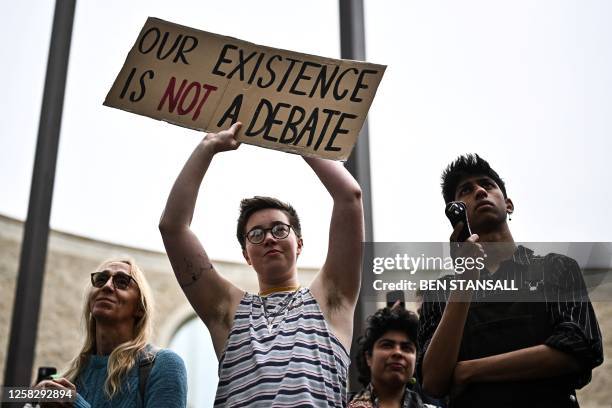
x=192 y=342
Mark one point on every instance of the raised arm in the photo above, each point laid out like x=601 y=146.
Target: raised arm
x=336 y=286
x=213 y=297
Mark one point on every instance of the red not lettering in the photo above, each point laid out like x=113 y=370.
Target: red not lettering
x=186 y=98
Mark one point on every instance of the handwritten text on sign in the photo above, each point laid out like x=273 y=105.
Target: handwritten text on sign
x=287 y=101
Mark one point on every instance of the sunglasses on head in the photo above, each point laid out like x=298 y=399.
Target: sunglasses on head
x=120 y=280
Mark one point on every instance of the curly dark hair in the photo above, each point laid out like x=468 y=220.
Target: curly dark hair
x=464 y=166
x=248 y=206
x=381 y=322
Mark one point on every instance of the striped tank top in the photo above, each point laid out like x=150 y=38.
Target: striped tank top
x=281 y=353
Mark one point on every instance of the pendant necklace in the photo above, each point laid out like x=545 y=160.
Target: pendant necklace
x=283 y=307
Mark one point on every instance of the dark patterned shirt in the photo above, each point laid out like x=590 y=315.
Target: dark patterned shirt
x=568 y=309
x=367 y=398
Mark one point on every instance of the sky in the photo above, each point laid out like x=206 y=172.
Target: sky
x=525 y=84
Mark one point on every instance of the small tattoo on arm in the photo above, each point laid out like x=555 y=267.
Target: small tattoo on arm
x=192 y=274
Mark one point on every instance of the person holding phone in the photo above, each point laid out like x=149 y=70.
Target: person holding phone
x=484 y=353
x=286 y=345
x=116 y=365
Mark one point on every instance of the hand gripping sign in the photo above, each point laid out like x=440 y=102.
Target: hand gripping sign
x=287 y=101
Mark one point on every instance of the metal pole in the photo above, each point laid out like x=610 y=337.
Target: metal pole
x=352 y=46
x=26 y=307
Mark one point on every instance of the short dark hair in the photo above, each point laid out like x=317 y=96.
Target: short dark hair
x=464 y=166
x=381 y=322
x=248 y=206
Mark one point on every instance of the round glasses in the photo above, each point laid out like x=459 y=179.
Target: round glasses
x=120 y=280
x=279 y=231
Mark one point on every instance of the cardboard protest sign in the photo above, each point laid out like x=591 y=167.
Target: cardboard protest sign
x=288 y=101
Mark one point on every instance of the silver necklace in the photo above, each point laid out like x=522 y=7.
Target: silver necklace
x=283 y=307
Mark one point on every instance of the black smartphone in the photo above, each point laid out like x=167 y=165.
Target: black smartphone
x=457 y=211
x=394 y=296
x=45 y=373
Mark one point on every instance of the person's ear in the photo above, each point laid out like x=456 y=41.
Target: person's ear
x=368 y=358
x=509 y=206
x=246 y=257
x=300 y=244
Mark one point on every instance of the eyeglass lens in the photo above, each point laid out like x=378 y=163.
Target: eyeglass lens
x=279 y=231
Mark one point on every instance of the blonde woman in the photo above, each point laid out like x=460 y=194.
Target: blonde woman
x=116 y=366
